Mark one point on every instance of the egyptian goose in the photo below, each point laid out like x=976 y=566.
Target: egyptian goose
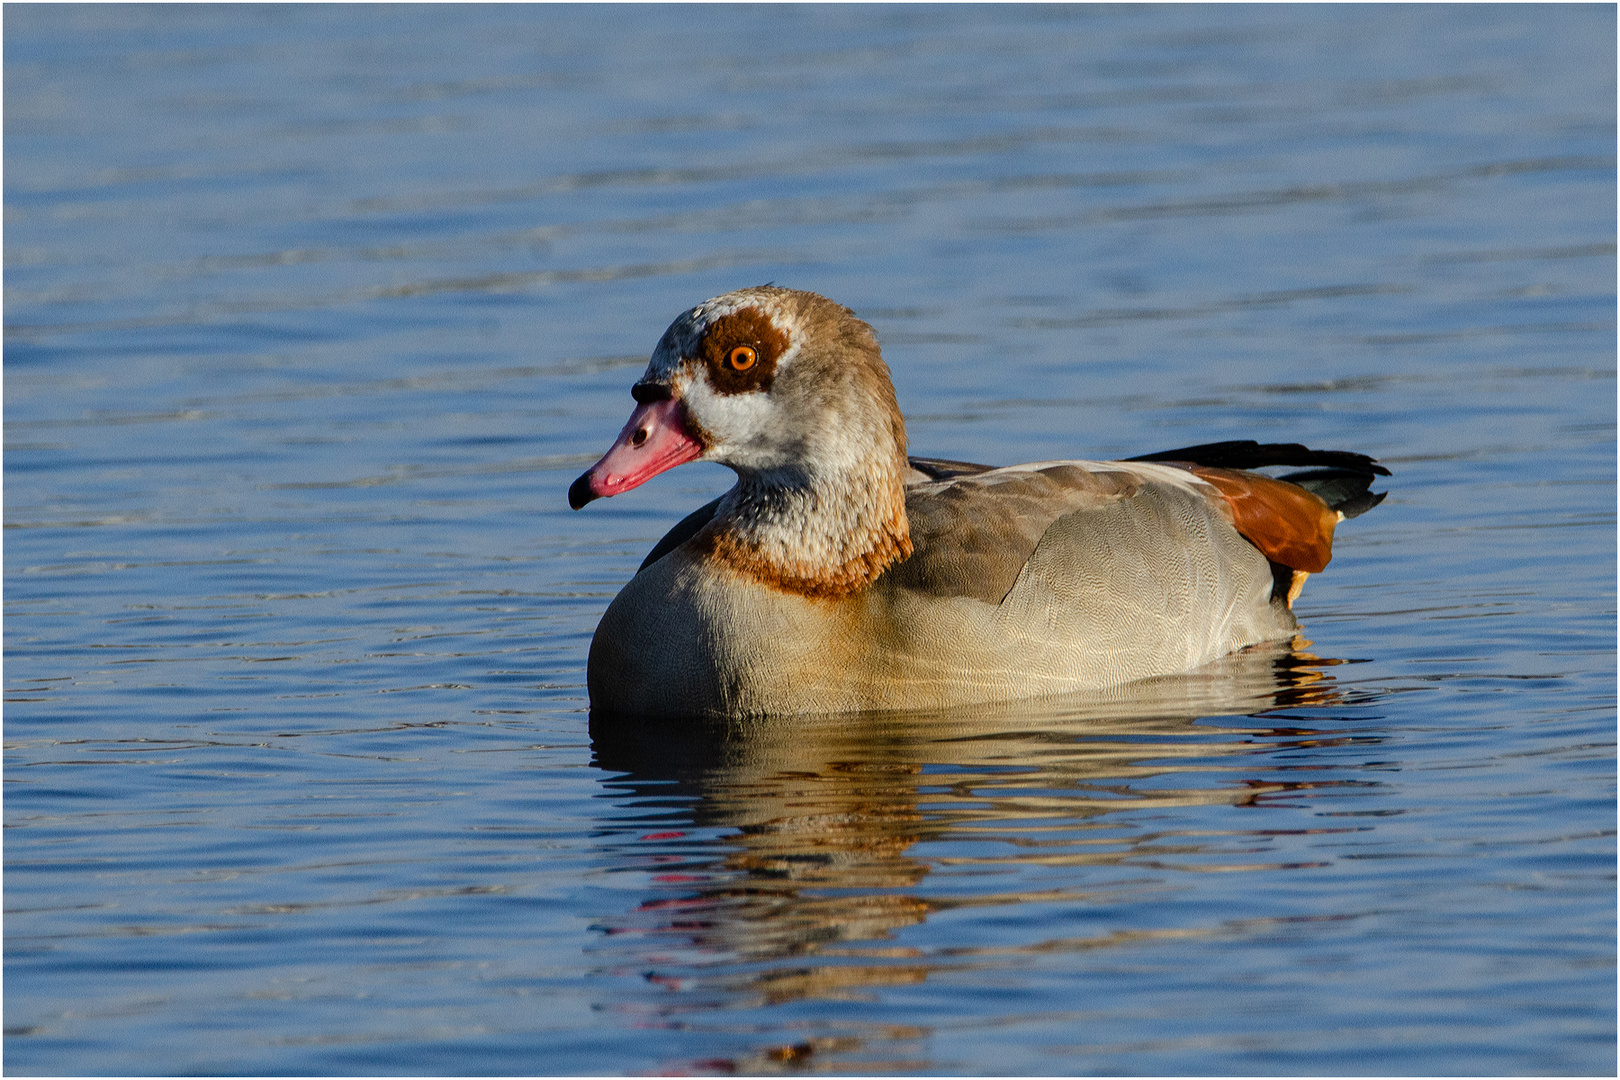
x=839 y=575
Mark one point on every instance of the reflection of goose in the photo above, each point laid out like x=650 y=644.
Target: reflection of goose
x=695 y=751
x=839 y=575
x=834 y=825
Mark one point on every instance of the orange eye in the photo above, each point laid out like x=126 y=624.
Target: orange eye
x=742 y=358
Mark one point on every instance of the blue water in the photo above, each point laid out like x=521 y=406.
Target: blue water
x=312 y=314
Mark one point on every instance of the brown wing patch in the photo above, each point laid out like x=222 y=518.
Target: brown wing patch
x=740 y=351
x=1287 y=523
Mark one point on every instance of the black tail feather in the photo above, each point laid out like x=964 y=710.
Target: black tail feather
x=1248 y=454
x=1341 y=478
x=1342 y=489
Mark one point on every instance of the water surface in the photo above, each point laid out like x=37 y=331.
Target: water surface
x=313 y=313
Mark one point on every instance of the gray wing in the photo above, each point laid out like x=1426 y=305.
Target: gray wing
x=972 y=533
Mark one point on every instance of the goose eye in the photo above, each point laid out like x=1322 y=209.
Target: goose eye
x=741 y=358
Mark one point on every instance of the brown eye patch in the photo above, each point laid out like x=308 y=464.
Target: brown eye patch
x=740 y=350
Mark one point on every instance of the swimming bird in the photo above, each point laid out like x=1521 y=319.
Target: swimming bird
x=839 y=574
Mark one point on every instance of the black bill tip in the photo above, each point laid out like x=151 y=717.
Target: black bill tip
x=580 y=493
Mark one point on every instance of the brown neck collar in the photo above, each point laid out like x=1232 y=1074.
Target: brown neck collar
x=823 y=538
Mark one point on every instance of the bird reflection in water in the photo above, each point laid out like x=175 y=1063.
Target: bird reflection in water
x=808 y=839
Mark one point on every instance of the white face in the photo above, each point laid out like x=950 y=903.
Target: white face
x=771 y=380
x=745 y=430
x=744 y=425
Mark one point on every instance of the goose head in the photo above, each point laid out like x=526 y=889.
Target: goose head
x=789 y=390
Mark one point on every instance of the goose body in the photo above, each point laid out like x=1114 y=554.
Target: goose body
x=839 y=575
